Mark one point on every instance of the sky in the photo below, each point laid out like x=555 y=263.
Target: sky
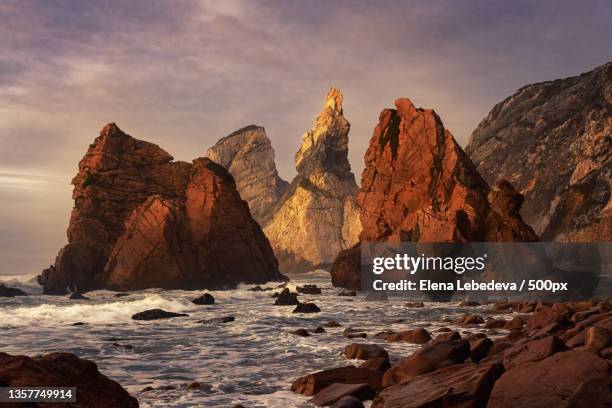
x=185 y=73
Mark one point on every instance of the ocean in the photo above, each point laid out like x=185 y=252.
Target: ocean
x=251 y=361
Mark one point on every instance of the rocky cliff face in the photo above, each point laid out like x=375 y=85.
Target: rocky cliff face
x=553 y=142
x=318 y=215
x=418 y=185
x=141 y=220
x=248 y=155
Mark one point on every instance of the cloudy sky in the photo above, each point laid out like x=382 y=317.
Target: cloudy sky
x=185 y=73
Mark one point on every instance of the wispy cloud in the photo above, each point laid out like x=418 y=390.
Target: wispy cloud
x=185 y=73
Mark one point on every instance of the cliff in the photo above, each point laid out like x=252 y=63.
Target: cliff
x=418 y=185
x=553 y=142
x=141 y=220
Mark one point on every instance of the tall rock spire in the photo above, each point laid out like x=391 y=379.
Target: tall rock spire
x=318 y=216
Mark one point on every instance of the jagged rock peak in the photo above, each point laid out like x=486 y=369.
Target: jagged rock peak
x=418 y=185
x=141 y=220
x=325 y=146
x=318 y=216
x=552 y=140
x=248 y=155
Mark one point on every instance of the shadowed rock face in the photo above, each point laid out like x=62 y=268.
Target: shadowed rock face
x=141 y=220
x=248 y=155
x=318 y=215
x=553 y=142
x=94 y=390
x=418 y=185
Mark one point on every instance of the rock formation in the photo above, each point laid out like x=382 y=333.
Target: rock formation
x=141 y=220
x=94 y=390
x=418 y=185
x=553 y=142
x=318 y=216
x=248 y=155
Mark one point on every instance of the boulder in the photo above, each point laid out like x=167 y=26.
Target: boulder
x=141 y=220
x=377 y=364
x=335 y=392
x=445 y=336
x=205 y=299
x=416 y=336
x=597 y=338
x=364 y=351
x=155 y=314
x=311 y=384
x=544 y=316
x=469 y=319
x=286 y=298
x=462 y=385
x=348 y=402
x=552 y=382
x=94 y=390
x=431 y=357
x=479 y=348
x=306 y=308
x=532 y=351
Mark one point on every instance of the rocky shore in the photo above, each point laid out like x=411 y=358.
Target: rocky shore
x=553 y=355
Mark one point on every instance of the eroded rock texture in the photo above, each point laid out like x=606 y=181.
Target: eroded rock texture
x=318 y=216
x=248 y=155
x=141 y=220
x=553 y=142
x=418 y=185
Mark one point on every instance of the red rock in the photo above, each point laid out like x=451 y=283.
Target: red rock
x=311 y=384
x=544 y=316
x=364 y=351
x=418 y=185
x=141 y=220
x=514 y=324
x=499 y=346
x=597 y=338
x=479 y=348
x=348 y=402
x=462 y=385
x=468 y=319
x=532 y=351
x=451 y=335
x=431 y=357
x=377 y=364
x=94 y=390
x=335 y=392
x=550 y=382
x=416 y=336
x=495 y=323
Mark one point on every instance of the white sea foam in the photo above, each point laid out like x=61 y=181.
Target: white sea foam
x=69 y=312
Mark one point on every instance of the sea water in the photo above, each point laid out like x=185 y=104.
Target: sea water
x=252 y=360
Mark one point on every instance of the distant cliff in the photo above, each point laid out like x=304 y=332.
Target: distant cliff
x=318 y=215
x=419 y=186
x=553 y=141
x=248 y=155
x=141 y=220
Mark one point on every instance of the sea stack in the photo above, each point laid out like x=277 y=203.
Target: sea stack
x=248 y=155
x=318 y=216
x=418 y=185
x=141 y=220
x=553 y=141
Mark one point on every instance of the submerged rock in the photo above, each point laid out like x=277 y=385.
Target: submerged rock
x=5 y=291
x=141 y=220
x=94 y=390
x=301 y=237
x=155 y=314
x=205 y=299
x=551 y=140
x=286 y=298
x=306 y=308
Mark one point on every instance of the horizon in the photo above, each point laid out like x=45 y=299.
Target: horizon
x=185 y=74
